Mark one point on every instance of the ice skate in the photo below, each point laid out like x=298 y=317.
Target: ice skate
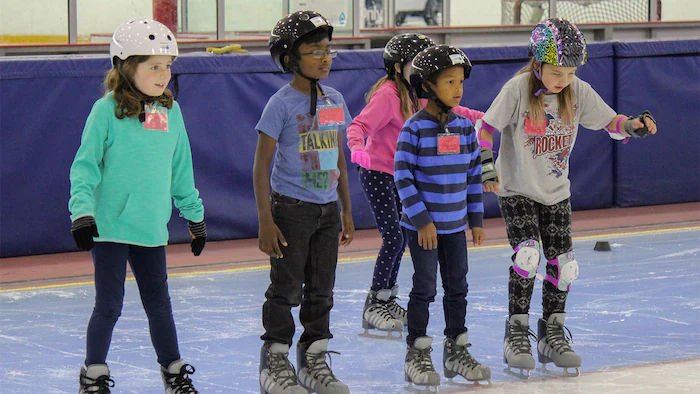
x=517 y=352
x=553 y=345
x=418 y=368
x=396 y=310
x=176 y=379
x=277 y=374
x=95 y=380
x=375 y=315
x=314 y=373
x=456 y=360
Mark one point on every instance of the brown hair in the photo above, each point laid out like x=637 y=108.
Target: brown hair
x=409 y=103
x=566 y=97
x=130 y=100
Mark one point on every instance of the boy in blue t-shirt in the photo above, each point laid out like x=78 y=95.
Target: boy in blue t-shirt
x=298 y=218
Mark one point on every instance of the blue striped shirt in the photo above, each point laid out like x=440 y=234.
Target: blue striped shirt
x=443 y=189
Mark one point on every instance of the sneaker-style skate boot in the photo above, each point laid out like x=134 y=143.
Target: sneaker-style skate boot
x=95 y=380
x=553 y=345
x=456 y=360
x=277 y=374
x=314 y=373
x=176 y=379
x=517 y=352
x=375 y=315
x=418 y=368
x=396 y=310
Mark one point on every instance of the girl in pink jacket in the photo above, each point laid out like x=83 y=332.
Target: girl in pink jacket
x=372 y=140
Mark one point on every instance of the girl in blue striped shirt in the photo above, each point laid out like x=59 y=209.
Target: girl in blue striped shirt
x=437 y=170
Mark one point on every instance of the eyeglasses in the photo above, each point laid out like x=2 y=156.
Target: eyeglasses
x=320 y=53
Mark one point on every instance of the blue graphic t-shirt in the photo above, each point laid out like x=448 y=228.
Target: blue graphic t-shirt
x=306 y=161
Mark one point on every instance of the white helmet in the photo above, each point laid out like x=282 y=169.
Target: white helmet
x=142 y=37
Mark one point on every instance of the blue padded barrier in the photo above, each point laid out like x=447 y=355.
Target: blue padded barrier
x=663 y=77
x=44 y=103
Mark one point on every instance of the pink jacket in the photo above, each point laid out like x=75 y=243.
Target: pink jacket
x=380 y=123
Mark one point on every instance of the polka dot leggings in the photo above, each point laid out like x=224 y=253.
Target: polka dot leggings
x=384 y=200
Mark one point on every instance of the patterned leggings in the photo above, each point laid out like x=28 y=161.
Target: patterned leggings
x=526 y=219
x=381 y=194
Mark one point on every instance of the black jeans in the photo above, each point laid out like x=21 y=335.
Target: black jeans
x=451 y=253
x=306 y=273
x=148 y=266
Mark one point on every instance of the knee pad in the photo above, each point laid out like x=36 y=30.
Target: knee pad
x=527 y=258
x=567 y=271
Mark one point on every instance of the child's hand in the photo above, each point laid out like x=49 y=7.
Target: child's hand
x=427 y=236
x=478 y=235
x=491 y=187
x=360 y=157
x=650 y=124
x=348 y=228
x=269 y=239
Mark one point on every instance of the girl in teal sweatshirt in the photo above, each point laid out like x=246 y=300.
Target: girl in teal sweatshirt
x=134 y=159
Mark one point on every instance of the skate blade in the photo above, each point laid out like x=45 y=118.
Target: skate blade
x=388 y=335
x=565 y=373
x=471 y=384
x=524 y=373
x=411 y=388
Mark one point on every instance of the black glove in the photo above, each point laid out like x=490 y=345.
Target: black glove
x=642 y=131
x=84 y=229
x=198 y=231
x=488 y=168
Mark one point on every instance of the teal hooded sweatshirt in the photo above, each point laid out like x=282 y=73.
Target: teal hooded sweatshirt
x=125 y=176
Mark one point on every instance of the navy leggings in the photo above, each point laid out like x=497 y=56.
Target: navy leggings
x=148 y=266
x=381 y=194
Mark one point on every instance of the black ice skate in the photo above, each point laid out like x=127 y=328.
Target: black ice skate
x=95 y=380
x=456 y=360
x=553 y=345
x=375 y=315
x=277 y=374
x=418 y=368
x=176 y=379
x=314 y=373
x=517 y=352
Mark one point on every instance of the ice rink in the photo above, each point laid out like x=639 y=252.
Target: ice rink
x=634 y=314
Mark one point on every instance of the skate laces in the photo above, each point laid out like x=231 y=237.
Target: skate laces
x=281 y=370
x=461 y=355
x=381 y=309
x=519 y=339
x=393 y=307
x=319 y=369
x=102 y=384
x=181 y=382
x=557 y=337
x=421 y=359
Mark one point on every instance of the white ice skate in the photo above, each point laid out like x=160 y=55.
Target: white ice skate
x=375 y=315
x=95 y=380
x=517 y=352
x=176 y=379
x=553 y=345
x=314 y=373
x=277 y=374
x=456 y=360
x=418 y=368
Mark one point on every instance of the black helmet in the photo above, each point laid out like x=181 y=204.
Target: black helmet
x=290 y=28
x=434 y=59
x=403 y=48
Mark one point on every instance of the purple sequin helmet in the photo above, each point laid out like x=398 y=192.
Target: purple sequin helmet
x=558 y=42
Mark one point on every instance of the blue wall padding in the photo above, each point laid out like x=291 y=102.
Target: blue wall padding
x=44 y=103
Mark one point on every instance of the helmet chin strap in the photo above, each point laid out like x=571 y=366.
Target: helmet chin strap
x=399 y=78
x=444 y=108
x=539 y=76
x=294 y=66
